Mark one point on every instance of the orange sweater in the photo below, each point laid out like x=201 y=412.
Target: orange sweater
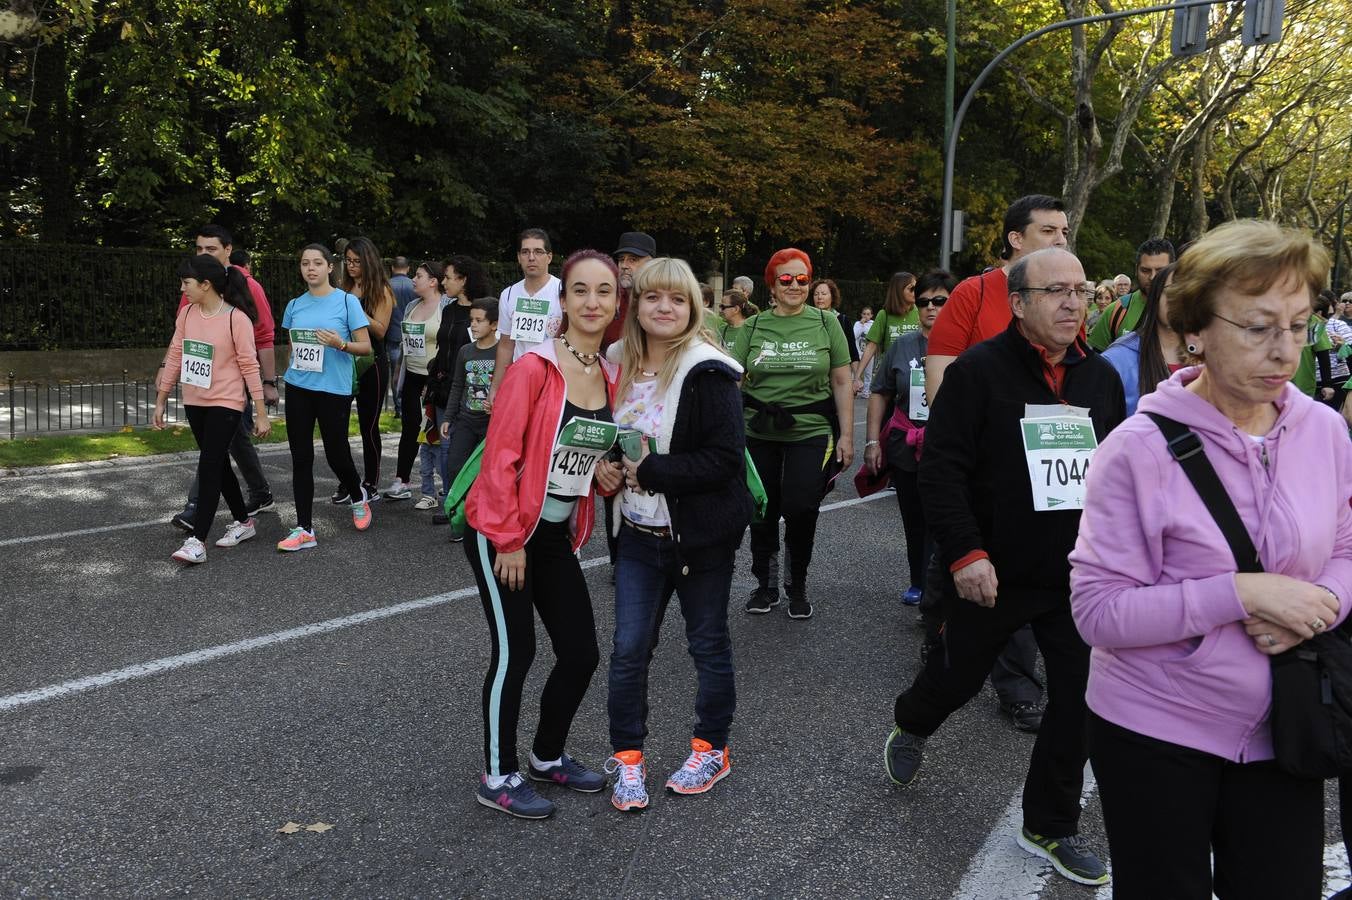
x=234 y=358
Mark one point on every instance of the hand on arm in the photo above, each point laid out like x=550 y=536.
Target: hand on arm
x=510 y=568
x=873 y=452
x=976 y=582
x=844 y=396
x=1298 y=607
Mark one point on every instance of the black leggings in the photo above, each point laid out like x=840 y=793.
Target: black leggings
x=555 y=589
x=794 y=473
x=370 y=399
x=1169 y=810
x=304 y=408
x=410 y=418
x=913 y=523
x=214 y=427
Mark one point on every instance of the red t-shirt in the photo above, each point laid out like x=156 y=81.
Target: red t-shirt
x=616 y=328
x=977 y=310
x=265 y=327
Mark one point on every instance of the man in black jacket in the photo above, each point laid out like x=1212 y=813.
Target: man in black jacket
x=1001 y=481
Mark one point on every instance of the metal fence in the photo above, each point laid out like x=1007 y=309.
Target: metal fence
x=32 y=408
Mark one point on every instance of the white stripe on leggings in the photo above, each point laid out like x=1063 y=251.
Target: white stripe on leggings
x=495 y=695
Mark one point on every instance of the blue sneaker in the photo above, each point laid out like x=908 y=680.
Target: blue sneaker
x=912 y=596
x=516 y=798
x=571 y=774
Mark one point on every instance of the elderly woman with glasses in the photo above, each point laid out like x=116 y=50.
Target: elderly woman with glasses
x=1180 y=685
x=799 y=423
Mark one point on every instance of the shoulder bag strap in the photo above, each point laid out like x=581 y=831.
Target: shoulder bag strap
x=1186 y=448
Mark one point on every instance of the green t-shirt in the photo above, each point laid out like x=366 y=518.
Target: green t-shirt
x=887 y=328
x=1103 y=333
x=712 y=320
x=728 y=334
x=1306 y=377
x=788 y=362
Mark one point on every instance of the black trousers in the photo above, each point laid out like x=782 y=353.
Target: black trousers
x=410 y=421
x=1170 y=810
x=215 y=427
x=794 y=473
x=918 y=549
x=555 y=589
x=1014 y=675
x=370 y=400
x=953 y=674
x=305 y=408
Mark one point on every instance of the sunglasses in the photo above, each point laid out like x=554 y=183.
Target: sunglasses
x=727 y=306
x=926 y=301
x=785 y=280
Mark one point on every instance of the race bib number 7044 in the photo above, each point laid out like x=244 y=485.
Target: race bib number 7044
x=1059 y=451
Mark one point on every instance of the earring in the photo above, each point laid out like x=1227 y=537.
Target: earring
x=1192 y=348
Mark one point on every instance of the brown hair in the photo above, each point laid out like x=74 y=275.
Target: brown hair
x=896 y=304
x=830 y=286
x=1248 y=256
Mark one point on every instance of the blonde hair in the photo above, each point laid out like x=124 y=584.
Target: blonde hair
x=662 y=274
x=1248 y=256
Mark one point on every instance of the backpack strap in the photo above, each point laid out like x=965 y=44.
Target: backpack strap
x=1186 y=448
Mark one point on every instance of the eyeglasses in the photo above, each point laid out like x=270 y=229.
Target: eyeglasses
x=1259 y=335
x=727 y=306
x=1061 y=292
x=786 y=279
x=531 y=251
x=351 y=261
x=923 y=302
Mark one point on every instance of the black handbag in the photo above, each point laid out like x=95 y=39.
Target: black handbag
x=1311 y=716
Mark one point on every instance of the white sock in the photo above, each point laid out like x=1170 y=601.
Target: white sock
x=497 y=781
x=542 y=764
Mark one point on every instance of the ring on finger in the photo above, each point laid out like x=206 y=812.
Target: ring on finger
x=1317 y=625
x=1271 y=641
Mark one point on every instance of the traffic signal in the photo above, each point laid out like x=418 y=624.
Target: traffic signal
x=1189 y=35
x=1263 y=21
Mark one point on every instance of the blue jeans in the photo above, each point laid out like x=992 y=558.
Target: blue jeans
x=433 y=461
x=649 y=569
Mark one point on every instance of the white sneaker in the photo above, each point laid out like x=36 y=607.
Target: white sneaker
x=193 y=551
x=238 y=532
x=397 y=491
x=425 y=502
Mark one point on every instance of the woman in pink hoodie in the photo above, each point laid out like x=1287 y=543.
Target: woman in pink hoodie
x=1180 y=682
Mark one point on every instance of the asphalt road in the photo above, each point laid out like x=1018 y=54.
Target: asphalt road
x=159 y=724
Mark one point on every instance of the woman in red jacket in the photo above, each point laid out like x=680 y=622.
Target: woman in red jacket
x=529 y=512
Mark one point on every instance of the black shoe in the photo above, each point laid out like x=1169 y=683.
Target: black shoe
x=762 y=600
x=183 y=520
x=372 y=492
x=259 y=504
x=902 y=755
x=1071 y=856
x=340 y=497
x=799 y=606
x=1026 y=716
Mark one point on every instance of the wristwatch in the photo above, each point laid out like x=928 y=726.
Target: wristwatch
x=270 y=382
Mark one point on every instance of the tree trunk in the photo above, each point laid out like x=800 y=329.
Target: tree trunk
x=1198 y=221
x=1166 y=180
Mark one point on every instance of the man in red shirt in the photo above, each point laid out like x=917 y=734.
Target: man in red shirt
x=977 y=310
x=215 y=241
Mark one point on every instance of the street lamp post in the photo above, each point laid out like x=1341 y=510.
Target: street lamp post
x=951 y=143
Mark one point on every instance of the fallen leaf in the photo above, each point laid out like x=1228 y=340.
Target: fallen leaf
x=290 y=828
x=320 y=827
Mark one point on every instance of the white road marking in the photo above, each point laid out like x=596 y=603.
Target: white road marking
x=1001 y=869
x=169 y=663
x=34 y=538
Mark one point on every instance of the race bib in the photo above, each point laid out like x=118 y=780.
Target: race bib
x=529 y=320
x=580 y=444
x=1059 y=451
x=307 y=353
x=919 y=405
x=641 y=506
x=415 y=339
x=196 y=369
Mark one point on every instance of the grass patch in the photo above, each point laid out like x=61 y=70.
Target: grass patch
x=49 y=450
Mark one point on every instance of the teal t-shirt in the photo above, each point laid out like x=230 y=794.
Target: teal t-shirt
x=887 y=328
x=331 y=371
x=788 y=362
